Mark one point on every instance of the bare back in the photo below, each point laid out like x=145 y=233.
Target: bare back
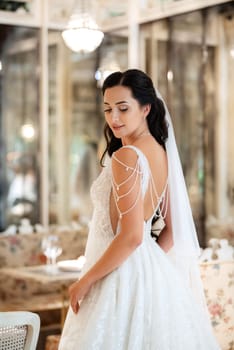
x=157 y=160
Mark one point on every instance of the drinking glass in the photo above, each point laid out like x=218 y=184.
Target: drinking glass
x=51 y=249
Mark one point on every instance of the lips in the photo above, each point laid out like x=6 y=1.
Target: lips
x=117 y=127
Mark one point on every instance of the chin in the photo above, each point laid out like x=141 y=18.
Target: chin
x=117 y=134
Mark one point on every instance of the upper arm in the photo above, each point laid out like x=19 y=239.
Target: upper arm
x=127 y=191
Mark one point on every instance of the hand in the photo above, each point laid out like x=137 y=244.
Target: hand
x=77 y=292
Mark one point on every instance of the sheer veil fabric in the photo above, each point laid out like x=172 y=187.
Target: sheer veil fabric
x=186 y=248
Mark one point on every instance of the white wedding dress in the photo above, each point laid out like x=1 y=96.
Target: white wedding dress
x=142 y=305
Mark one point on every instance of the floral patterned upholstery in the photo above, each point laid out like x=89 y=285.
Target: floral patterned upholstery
x=25 y=250
x=218 y=281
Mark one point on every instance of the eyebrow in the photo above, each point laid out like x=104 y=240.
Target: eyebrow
x=117 y=103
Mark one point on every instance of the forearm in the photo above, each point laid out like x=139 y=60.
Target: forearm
x=119 y=250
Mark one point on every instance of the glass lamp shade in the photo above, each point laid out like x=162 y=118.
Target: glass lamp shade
x=82 y=34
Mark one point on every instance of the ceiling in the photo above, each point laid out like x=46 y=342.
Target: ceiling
x=102 y=9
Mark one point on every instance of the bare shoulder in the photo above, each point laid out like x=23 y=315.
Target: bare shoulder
x=124 y=157
x=153 y=151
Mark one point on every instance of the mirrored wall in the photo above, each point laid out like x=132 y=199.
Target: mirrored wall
x=20 y=125
x=190 y=58
x=75 y=125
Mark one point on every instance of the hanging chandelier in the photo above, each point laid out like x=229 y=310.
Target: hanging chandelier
x=82 y=33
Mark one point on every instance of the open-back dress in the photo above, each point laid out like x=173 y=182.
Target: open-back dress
x=142 y=305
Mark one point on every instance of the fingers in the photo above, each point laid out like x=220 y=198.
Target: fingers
x=75 y=306
x=73 y=298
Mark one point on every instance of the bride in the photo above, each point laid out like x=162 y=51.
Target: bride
x=139 y=290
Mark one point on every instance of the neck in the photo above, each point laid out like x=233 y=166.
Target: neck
x=130 y=140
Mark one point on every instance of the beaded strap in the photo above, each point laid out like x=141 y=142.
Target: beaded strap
x=161 y=205
x=135 y=171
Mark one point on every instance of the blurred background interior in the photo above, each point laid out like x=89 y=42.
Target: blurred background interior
x=51 y=116
x=50 y=102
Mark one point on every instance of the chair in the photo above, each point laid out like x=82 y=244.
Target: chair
x=19 y=330
x=218 y=282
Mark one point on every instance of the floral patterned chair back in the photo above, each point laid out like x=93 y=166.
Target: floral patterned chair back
x=218 y=281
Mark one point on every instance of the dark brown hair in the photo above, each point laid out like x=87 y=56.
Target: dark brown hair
x=143 y=91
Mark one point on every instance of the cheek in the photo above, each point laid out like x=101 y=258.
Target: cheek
x=107 y=119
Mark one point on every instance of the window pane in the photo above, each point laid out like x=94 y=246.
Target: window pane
x=19 y=122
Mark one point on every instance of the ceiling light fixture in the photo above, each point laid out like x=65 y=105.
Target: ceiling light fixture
x=82 y=33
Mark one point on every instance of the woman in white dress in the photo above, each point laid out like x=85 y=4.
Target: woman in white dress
x=137 y=292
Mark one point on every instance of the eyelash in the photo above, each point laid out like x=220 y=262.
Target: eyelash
x=121 y=110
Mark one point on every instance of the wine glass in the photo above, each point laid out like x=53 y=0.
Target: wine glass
x=51 y=249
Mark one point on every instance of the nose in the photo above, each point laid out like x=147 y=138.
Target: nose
x=114 y=115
